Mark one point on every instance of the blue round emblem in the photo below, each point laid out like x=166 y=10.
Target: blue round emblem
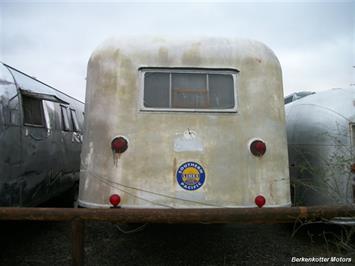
x=190 y=176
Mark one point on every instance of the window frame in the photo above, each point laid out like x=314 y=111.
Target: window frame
x=188 y=70
x=64 y=126
x=74 y=120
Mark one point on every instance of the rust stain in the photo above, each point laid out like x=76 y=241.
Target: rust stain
x=303 y=212
x=271 y=196
x=116 y=157
x=193 y=55
x=353 y=168
x=174 y=169
x=163 y=55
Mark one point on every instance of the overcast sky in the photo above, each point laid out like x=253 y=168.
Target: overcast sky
x=53 y=41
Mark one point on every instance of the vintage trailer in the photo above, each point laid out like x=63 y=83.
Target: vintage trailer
x=321 y=139
x=184 y=124
x=40 y=139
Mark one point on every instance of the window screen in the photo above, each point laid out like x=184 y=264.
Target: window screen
x=157 y=90
x=32 y=111
x=65 y=119
x=188 y=89
x=221 y=91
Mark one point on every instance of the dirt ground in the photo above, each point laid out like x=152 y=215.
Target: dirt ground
x=49 y=243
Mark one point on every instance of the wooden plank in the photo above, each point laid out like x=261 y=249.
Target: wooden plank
x=78 y=227
x=209 y=215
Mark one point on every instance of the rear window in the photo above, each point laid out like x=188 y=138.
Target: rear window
x=189 y=89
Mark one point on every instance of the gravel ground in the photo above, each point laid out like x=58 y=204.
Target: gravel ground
x=49 y=243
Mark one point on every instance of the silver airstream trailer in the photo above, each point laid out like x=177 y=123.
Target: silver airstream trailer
x=321 y=139
x=184 y=124
x=40 y=140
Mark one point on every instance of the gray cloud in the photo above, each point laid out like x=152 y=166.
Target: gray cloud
x=53 y=41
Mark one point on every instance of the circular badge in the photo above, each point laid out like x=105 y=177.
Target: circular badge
x=190 y=176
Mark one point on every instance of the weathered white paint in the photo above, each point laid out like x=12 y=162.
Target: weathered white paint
x=188 y=141
x=145 y=175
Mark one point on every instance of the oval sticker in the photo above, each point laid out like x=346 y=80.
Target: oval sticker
x=190 y=176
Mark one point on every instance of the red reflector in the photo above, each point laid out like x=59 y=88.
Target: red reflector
x=258 y=148
x=115 y=200
x=119 y=145
x=260 y=201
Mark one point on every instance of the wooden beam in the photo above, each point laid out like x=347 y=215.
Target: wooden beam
x=170 y=216
x=78 y=227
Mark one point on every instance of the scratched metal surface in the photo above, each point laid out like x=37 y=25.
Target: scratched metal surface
x=36 y=163
x=145 y=175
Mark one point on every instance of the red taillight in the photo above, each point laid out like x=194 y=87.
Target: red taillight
x=258 y=148
x=260 y=201
x=115 y=200
x=119 y=144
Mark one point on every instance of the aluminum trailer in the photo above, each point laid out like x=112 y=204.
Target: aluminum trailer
x=40 y=139
x=184 y=124
x=321 y=139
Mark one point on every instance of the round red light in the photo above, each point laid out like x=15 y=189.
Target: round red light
x=258 y=148
x=260 y=201
x=119 y=144
x=115 y=200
